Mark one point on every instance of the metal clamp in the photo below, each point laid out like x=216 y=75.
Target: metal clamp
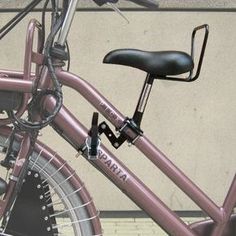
x=130 y=130
x=93 y=150
x=13 y=178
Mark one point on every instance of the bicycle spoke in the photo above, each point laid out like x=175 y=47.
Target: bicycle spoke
x=3 y=234
x=59 y=200
x=47 y=164
x=37 y=158
x=50 y=176
x=69 y=224
x=7 y=139
x=58 y=185
x=71 y=209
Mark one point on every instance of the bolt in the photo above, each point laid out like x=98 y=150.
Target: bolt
x=41 y=197
x=48 y=229
x=12 y=163
x=36 y=175
x=103 y=126
x=43 y=208
x=116 y=144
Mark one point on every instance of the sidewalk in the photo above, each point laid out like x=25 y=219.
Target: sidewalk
x=130 y=226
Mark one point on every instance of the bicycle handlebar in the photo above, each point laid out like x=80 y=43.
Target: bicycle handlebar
x=144 y=3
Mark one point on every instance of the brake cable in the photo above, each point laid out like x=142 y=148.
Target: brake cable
x=16 y=19
x=57 y=92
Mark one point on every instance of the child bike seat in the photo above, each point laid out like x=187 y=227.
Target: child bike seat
x=161 y=63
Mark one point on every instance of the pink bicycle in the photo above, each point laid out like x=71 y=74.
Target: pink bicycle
x=42 y=187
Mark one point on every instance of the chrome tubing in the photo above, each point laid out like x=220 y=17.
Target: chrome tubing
x=67 y=23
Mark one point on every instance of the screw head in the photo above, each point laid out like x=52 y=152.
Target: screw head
x=36 y=175
x=103 y=126
x=116 y=144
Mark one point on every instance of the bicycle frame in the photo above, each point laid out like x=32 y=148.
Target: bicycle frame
x=123 y=178
x=73 y=131
x=109 y=165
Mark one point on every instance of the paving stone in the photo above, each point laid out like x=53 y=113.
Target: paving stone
x=130 y=227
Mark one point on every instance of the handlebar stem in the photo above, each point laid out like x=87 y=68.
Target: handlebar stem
x=67 y=23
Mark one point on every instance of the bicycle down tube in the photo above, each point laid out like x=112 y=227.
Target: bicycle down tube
x=109 y=165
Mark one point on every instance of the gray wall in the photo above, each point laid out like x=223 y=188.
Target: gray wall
x=194 y=124
x=162 y=3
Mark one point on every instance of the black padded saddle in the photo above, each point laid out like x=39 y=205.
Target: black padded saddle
x=160 y=64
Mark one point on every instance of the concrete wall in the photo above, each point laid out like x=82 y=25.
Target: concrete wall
x=162 y=4
x=194 y=124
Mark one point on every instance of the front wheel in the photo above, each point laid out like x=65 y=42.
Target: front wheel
x=74 y=211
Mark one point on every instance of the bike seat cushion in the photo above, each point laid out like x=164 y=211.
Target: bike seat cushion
x=161 y=63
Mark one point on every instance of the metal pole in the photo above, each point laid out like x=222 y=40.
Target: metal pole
x=67 y=23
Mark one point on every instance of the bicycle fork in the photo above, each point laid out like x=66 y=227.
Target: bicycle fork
x=19 y=168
